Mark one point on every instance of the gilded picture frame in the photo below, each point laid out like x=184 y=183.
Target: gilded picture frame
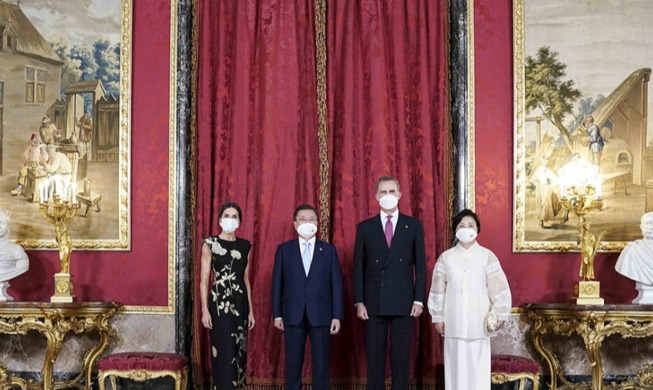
x=572 y=72
x=65 y=95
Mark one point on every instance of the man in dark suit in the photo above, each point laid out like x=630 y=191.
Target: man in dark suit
x=389 y=284
x=307 y=299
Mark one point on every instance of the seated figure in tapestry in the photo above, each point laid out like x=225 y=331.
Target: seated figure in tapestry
x=31 y=160
x=13 y=259
x=59 y=172
x=636 y=261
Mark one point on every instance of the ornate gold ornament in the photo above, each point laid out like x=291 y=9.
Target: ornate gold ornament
x=58 y=214
x=593 y=325
x=55 y=321
x=502 y=377
x=582 y=199
x=644 y=379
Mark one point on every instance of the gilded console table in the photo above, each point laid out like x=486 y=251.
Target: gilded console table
x=591 y=322
x=54 y=321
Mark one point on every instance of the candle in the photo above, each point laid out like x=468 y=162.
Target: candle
x=564 y=190
x=58 y=189
x=74 y=193
x=41 y=194
x=46 y=190
x=599 y=183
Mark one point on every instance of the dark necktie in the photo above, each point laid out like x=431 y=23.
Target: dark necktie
x=388 y=230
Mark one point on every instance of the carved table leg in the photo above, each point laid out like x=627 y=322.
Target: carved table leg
x=548 y=356
x=94 y=353
x=593 y=348
x=55 y=342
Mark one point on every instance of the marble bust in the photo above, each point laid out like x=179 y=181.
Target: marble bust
x=13 y=259
x=636 y=262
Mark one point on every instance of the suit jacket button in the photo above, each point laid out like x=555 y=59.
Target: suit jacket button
x=377 y=261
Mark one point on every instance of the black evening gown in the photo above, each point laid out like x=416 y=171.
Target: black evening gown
x=229 y=309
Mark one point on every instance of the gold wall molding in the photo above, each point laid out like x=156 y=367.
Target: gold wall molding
x=322 y=129
x=471 y=113
x=173 y=215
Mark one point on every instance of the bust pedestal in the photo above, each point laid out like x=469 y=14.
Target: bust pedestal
x=4 y=295
x=587 y=293
x=63 y=289
x=645 y=296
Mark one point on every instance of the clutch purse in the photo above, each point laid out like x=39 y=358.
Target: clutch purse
x=491 y=322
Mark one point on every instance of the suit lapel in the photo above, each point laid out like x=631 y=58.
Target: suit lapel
x=317 y=256
x=380 y=232
x=401 y=230
x=298 y=256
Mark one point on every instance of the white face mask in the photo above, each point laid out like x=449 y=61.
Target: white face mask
x=306 y=230
x=466 y=235
x=388 y=202
x=229 y=225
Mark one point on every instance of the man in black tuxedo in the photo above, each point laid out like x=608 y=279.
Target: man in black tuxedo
x=389 y=284
x=307 y=299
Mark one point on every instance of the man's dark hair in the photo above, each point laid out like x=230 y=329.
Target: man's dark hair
x=231 y=205
x=465 y=213
x=301 y=207
x=387 y=178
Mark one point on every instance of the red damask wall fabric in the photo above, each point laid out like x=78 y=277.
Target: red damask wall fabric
x=258 y=146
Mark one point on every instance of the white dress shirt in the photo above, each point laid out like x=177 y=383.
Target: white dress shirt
x=394 y=219
x=301 y=245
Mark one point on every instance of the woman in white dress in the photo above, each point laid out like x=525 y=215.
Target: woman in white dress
x=469 y=299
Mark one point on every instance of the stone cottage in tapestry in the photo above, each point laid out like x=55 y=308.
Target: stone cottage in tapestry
x=30 y=83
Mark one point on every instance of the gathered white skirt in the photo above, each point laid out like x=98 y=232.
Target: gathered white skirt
x=467 y=364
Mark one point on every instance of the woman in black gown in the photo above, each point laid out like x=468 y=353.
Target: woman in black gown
x=227 y=305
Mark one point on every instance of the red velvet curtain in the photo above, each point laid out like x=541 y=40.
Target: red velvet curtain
x=388 y=114
x=258 y=145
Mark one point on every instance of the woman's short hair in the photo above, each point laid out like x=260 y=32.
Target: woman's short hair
x=231 y=205
x=465 y=213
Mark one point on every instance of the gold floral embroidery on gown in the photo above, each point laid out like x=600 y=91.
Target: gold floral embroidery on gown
x=229 y=307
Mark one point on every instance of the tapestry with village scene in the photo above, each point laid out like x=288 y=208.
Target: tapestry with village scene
x=581 y=104
x=61 y=129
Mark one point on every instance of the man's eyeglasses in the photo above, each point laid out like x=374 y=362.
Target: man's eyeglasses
x=304 y=220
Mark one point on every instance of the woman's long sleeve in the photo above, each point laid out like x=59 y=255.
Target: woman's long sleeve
x=498 y=288
x=436 y=294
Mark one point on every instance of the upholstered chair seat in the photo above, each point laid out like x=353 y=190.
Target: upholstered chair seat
x=507 y=368
x=142 y=366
